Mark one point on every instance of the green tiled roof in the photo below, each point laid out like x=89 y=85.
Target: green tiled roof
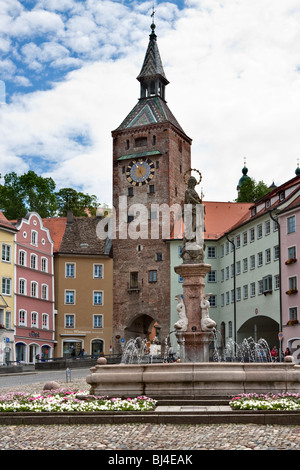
x=140 y=155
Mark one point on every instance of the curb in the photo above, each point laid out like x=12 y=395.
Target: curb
x=155 y=417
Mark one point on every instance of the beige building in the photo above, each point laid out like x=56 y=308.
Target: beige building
x=7 y=295
x=83 y=270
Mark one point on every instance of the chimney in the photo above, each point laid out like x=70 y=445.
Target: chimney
x=70 y=217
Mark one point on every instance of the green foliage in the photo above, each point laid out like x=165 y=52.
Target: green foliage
x=250 y=191
x=33 y=193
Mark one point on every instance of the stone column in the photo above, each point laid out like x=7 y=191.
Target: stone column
x=196 y=342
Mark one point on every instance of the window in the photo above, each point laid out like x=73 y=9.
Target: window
x=292 y=252
x=232 y=270
x=276 y=252
x=98 y=321
x=245 y=265
x=252 y=289
x=44 y=292
x=22 y=286
x=276 y=281
x=230 y=329
x=130 y=191
x=151 y=189
x=6 y=286
x=293 y=313
x=22 y=258
x=22 y=317
x=268 y=255
x=153 y=276
x=6 y=253
x=260 y=287
x=70 y=270
x=292 y=283
x=34 y=237
x=154 y=140
x=245 y=238
x=222 y=275
x=44 y=262
x=34 y=289
x=238 y=241
x=238 y=267
x=69 y=321
x=159 y=257
x=8 y=320
x=98 y=297
x=227 y=273
x=211 y=252
x=140 y=142
x=227 y=298
x=134 y=280
x=238 y=294
x=226 y=248
x=69 y=297
x=267 y=227
x=291 y=224
x=245 y=291
x=267 y=284
x=33 y=261
x=222 y=300
x=259 y=258
x=232 y=295
x=212 y=276
x=45 y=321
x=98 y=271
x=213 y=300
x=259 y=231
x=252 y=235
x=252 y=261
x=34 y=320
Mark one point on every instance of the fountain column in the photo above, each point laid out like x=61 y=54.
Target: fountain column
x=196 y=341
x=197 y=332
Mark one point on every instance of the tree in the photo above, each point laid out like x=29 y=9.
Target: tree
x=26 y=193
x=251 y=191
x=32 y=193
x=79 y=203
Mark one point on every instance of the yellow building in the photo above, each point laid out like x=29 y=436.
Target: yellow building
x=83 y=270
x=7 y=296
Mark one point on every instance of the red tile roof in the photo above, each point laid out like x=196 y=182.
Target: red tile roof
x=56 y=226
x=5 y=223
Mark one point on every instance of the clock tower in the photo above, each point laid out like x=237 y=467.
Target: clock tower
x=151 y=154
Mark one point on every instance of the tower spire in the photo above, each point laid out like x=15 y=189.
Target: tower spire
x=152 y=76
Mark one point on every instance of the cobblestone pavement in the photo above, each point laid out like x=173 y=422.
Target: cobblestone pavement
x=143 y=437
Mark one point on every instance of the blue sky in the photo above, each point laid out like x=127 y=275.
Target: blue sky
x=69 y=69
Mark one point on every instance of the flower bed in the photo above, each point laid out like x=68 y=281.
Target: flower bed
x=253 y=401
x=66 y=401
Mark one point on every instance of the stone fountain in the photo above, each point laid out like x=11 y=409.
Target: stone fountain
x=194 y=376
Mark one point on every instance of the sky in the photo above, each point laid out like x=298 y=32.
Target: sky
x=68 y=73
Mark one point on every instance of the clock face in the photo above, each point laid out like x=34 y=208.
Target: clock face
x=140 y=172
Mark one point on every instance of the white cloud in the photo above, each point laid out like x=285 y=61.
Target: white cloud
x=234 y=87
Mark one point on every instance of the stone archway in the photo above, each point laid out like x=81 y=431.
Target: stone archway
x=260 y=327
x=140 y=326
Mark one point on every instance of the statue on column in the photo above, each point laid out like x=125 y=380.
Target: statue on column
x=207 y=324
x=182 y=323
x=193 y=218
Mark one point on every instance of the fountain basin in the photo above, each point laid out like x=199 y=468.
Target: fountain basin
x=193 y=380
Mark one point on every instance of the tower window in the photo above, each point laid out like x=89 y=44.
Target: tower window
x=151 y=188
x=127 y=144
x=154 y=140
x=130 y=191
x=140 y=142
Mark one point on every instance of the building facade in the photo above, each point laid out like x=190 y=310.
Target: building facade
x=7 y=297
x=151 y=154
x=34 y=290
x=83 y=287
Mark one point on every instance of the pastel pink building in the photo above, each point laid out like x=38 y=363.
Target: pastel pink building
x=35 y=325
x=290 y=276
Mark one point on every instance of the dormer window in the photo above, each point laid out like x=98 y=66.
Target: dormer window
x=268 y=203
x=281 y=196
x=253 y=211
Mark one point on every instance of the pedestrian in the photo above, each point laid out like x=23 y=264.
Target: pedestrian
x=274 y=354
x=287 y=352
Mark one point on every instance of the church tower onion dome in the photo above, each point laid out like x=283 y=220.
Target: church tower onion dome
x=244 y=177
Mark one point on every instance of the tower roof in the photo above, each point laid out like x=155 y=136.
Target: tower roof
x=152 y=65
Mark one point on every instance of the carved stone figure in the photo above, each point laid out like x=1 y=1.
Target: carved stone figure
x=193 y=246
x=182 y=323
x=207 y=324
